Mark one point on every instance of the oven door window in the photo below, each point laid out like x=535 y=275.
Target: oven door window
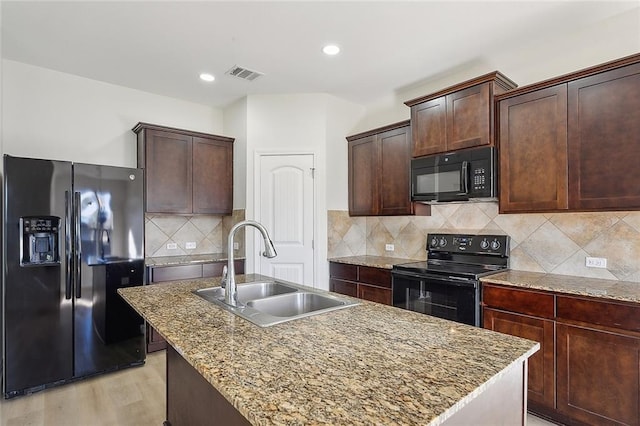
x=438 y=297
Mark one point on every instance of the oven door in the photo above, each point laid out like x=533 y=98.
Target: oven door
x=452 y=298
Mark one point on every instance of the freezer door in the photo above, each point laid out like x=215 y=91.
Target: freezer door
x=109 y=219
x=37 y=302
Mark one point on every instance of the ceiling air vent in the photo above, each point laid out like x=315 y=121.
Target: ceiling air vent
x=243 y=73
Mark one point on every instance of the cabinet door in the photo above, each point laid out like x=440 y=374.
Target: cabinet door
x=533 y=151
x=604 y=140
x=541 y=382
x=598 y=376
x=394 y=173
x=363 y=177
x=374 y=294
x=168 y=172
x=469 y=117
x=348 y=288
x=429 y=127
x=212 y=176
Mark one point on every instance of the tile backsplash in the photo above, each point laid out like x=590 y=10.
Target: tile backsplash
x=552 y=242
x=209 y=233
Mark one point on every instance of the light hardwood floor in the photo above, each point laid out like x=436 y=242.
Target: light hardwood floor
x=132 y=397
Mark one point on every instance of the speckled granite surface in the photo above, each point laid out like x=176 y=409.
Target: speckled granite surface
x=186 y=259
x=369 y=364
x=607 y=289
x=373 y=261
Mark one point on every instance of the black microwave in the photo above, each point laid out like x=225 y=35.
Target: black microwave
x=465 y=175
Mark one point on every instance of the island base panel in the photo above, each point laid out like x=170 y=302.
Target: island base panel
x=191 y=400
x=504 y=402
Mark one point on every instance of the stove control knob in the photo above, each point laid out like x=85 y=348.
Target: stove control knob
x=434 y=242
x=495 y=245
x=443 y=242
x=484 y=244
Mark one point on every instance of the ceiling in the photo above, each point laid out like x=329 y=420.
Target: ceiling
x=161 y=47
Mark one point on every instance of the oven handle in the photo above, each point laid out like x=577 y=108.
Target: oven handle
x=448 y=280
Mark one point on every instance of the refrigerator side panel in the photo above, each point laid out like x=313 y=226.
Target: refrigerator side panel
x=37 y=306
x=110 y=218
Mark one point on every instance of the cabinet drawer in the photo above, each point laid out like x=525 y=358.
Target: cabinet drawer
x=374 y=294
x=343 y=287
x=521 y=301
x=604 y=313
x=376 y=276
x=341 y=270
x=172 y=273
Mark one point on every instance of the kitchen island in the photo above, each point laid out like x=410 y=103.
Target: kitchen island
x=368 y=364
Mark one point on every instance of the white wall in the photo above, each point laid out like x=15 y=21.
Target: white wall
x=49 y=114
x=235 y=125
x=299 y=123
x=545 y=56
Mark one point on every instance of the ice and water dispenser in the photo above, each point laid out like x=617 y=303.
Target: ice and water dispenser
x=39 y=244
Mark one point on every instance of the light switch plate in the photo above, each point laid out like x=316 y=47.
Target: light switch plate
x=172 y=246
x=190 y=245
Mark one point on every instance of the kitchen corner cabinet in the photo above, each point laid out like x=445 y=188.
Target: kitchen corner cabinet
x=162 y=274
x=571 y=143
x=363 y=282
x=379 y=163
x=458 y=117
x=185 y=172
x=588 y=368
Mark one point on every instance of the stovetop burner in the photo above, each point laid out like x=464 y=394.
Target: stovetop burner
x=462 y=255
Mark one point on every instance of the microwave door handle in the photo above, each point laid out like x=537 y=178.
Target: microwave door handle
x=464 y=178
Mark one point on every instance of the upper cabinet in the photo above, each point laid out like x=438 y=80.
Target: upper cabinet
x=185 y=172
x=571 y=143
x=379 y=171
x=458 y=117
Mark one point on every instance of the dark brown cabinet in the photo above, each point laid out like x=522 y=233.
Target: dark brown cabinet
x=588 y=368
x=379 y=171
x=570 y=144
x=363 y=282
x=458 y=117
x=160 y=274
x=185 y=172
x=533 y=320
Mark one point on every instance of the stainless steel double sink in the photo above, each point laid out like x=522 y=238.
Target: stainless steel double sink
x=266 y=303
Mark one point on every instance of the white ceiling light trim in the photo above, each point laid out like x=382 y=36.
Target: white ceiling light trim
x=207 y=77
x=331 y=49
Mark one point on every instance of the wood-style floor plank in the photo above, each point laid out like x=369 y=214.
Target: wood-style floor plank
x=135 y=397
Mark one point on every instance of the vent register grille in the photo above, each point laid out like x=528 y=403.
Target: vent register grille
x=243 y=73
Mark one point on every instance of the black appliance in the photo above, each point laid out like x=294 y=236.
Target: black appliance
x=447 y=284
x=73 y=234
x=456 y=176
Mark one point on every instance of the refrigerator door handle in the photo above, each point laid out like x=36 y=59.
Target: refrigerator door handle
x=78 y=246
x=67 y=246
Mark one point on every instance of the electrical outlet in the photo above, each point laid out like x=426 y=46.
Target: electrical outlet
x=190 y=245
x=236 y=246
x=172 y=246
x=596 y=262
x=389 y=247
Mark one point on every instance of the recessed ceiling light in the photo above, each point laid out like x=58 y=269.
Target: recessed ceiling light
x=331 y=49
x=206 y=77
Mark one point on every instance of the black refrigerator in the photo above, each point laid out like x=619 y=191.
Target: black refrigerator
x=72 y=235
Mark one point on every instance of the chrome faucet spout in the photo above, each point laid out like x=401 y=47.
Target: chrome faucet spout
x=229 y=281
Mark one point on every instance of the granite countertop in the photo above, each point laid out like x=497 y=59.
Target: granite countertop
x=368 y=364
x=607 y=289
x=187 y=259
x=373 y=261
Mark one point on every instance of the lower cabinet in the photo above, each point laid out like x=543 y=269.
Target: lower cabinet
x=363 y=282
x=160 y=274
x=587 y=371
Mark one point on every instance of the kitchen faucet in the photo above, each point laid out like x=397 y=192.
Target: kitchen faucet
x=229 y=272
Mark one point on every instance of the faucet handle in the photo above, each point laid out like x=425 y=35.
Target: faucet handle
x=225 y=277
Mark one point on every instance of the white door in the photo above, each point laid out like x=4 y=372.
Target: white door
x=284 y=205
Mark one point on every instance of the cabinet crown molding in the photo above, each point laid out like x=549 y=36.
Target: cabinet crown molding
x=147 y=126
